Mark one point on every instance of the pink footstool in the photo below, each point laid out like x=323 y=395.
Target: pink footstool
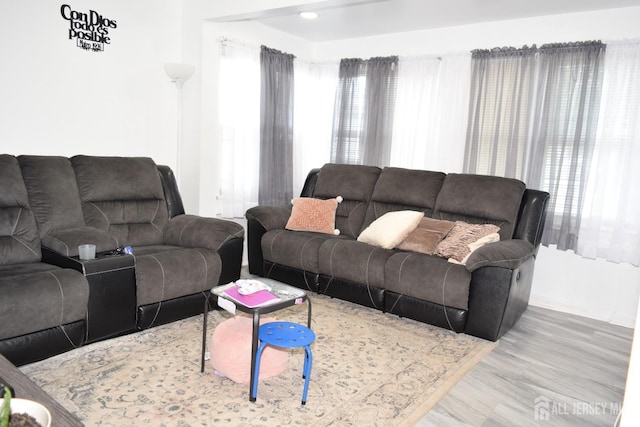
x=230 y=350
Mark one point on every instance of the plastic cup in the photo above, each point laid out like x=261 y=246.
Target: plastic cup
x=87 y=251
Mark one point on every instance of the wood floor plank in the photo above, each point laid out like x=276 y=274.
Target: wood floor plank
x=575 y=366
x=579 y=365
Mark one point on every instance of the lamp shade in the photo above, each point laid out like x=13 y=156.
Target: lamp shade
x=177 y=71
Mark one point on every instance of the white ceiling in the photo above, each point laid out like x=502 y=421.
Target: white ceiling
x=360 y=18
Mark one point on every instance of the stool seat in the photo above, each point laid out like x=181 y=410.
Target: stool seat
x=285 y=335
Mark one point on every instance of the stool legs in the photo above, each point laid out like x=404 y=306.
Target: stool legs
x=306 y=372
x=308 y=360
x=285 y=335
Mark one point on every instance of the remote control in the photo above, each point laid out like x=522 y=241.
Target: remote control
x=248 y=287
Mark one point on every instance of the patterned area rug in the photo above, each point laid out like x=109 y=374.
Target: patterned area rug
x=370 y=369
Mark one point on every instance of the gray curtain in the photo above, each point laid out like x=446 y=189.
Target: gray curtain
x=276 y=127
x=533 y=116
x=564 y=133
x=502 y=82
x=363 y=114
x=346 y=141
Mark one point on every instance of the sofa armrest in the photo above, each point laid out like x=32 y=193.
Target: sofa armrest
x=66 y=242
x=270 y=217
x=501 y=279
x=200 y=232
x=508 y=254
x=261 y=219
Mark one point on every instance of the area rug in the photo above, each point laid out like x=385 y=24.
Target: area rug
x=369 y=369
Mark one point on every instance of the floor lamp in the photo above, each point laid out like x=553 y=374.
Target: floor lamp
x=178 y=73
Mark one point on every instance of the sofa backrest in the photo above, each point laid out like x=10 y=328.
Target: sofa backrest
x=171 y=192
x=532 y=216
x=480 y=199
x=53 y=192
x=355 y=184
x=124 y=196
x=403 y=189
x=19 y=238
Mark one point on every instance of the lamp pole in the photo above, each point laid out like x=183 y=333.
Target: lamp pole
x=178 y=73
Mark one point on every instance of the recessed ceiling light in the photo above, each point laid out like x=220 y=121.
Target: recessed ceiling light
x=308 y=15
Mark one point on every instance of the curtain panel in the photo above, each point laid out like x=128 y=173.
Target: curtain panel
x=363 y=111
x=380 y=99
x=276 y=127
x=610 y=228
x=315 y=88
x=500 y=109
x=238 y=158
x=533 y=116
x=568 y=96
x=432 y=106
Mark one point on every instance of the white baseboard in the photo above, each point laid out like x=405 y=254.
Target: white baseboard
x=543 y=302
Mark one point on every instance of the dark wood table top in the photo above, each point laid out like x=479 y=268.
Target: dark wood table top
x=27 y=389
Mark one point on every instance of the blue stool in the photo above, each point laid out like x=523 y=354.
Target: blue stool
x=285 y=335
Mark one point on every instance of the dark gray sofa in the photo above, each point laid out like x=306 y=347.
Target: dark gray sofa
x=484 y=298
x=51 y=300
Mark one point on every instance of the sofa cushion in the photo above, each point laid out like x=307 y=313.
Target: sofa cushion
x=53 y=192
x=19 y=237
x=353 y=261
x=165 y=272
x=296 y=249
x=428 y=278
x=355 y=184
x=391 y=228
x=426 y=236
x=403 y=189
x=311 y=214
x=43 y=298
x=124 y=196
x=22 y=269
x=480 y=199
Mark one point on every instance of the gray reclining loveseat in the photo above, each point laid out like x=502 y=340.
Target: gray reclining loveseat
x=484 y=298
x=51 y=301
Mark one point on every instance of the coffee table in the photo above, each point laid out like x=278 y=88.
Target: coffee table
x=288 y=296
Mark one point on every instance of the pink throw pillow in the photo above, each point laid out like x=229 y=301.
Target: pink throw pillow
x=310 y=214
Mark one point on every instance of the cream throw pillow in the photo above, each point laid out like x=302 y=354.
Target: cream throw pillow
x=391 y=228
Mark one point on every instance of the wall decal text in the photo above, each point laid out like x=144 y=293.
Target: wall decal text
x=89 y=29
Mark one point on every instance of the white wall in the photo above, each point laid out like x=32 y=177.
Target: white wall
x=610 y=24
x=59 y=99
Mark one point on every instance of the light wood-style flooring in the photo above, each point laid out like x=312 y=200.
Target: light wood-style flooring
x=551 y=369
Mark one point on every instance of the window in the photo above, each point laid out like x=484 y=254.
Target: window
x=363 y=114
x=534 y=117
